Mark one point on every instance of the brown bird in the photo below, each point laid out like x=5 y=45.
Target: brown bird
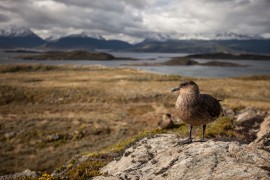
x=166 y=122
x=194 y=108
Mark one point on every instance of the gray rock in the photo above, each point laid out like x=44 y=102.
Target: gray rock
x=27 y=174
x=248 y=123
x=106 y=178
x=209 y=160
x=228 y=112
x=263 y=136
x=249 y=117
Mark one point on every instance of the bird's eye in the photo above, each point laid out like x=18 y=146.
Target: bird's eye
x=184 y=84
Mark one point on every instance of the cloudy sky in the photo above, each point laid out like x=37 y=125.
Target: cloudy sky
x=132 y=20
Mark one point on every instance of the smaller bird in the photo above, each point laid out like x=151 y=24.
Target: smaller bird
x=166 y=122
x=194 y=108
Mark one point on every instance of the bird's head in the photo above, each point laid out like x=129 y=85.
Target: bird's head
x=187 y=87
x=167 y=116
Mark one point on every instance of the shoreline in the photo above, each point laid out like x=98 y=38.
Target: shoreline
x=136 y=68
x=123 y=67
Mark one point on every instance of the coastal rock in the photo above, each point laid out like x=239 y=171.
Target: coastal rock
x=161 y=157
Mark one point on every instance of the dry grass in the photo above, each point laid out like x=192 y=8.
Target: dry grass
x=50 y=113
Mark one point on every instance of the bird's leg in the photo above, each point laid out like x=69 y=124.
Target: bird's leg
x=190 y=132
x=203 y=133
x=189 y=140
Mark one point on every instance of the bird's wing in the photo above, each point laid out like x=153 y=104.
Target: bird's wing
x=211 y=104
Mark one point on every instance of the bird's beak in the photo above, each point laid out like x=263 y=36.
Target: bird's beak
x=175 y=89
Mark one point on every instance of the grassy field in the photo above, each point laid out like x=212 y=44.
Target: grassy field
x=50 y=113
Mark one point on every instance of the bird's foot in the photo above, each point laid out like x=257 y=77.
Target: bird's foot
x=188 y=141
x=202 y=140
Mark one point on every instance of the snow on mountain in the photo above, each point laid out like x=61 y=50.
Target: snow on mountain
x=87 y=35
x=15 y=31
x=14 y=36
x=217 y=36
x=201 y=36
x=80 y=35
x=157 y=37
x=52 y=38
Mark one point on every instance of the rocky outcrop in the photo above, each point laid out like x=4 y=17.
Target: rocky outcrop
x=263 y=135
x=248 y=122
x=161 y=157
x=228 y=112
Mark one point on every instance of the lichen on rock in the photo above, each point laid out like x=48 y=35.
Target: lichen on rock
x=161 y=157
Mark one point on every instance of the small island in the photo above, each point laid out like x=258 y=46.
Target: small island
x=176 y=61
x=230 y=56
x=185 y=61
x=69 y=55
x=189 y=60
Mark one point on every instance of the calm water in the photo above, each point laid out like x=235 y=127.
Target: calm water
x=254 y=67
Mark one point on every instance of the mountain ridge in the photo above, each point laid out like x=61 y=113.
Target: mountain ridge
x=15 y=31
x=22 y=37
x=19 y=37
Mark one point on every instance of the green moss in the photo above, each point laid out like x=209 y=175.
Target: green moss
x=96 y=160
x=60 y=169
x=222 y=127
x=87 y=169
x=181 y=130
x=45 y=176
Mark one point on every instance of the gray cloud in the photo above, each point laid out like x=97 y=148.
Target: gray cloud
x=4 y=18
x=131 y=20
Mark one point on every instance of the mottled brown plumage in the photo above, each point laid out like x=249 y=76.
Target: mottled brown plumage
x=166 y=122
x=194 y=108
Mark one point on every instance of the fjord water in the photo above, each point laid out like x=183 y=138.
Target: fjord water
x=254 y=67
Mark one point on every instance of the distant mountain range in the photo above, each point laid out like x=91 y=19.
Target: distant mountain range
x=205 y=46
x=86 y=42
x=19 y=37
x=14 y=37
x=202 y=36
x=218 y=36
